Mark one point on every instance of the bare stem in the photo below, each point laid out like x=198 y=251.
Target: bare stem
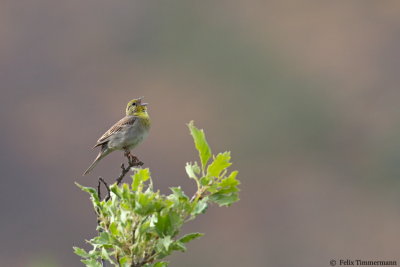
x=133 y=161
x=101 y=180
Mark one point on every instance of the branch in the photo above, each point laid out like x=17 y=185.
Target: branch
x=133 y=161
x=200 y=194
x=101 y=180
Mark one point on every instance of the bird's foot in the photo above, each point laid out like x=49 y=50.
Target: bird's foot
x=135 y=161
x=132 y=159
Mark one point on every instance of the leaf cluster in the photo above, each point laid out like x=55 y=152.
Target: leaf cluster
x=140 y=227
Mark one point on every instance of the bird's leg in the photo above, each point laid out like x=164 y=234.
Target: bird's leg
x=129 y=156
x=127 y=153
x=132 y=159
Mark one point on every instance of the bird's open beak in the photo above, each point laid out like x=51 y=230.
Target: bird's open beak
x=140 y=101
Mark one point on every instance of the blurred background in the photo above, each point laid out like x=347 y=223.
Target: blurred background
x=304 y=93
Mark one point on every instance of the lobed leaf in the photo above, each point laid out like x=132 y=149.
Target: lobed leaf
x=124 y=262
x=178 y=192
x=192 y=170
x=81 y=252
x=201 y=144
x=102 y=239
x=220 y=163
x=189 y=237
x=177 y=245
x=145 y=204
x=92 y=192
x=140 y=176
x=168 y=223
x=224 y=199
x=225 y=192
x=200 y=207
x=91 y=263
x=205 y=181
x=230 y=180
x=159 y=264
x=114 y=228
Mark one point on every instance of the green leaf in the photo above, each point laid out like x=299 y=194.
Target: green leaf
x=205 y=181
x=91 y=191
x=200 y=207
x=140 y=176
x=125 y=192
x=189 y=237
x=201 y=144
x=166 y=242
x=163 y=246
x=230 y=181
x=224 y=199
x=160 y=264
x=220 y=163
x=92 y=263
x=114 y=229
x=153 y=220
x=162 y=224
x=144 y=204
x=177 y=245
x=192 y=170
x=115 y=189
x=81 y=252
x=105 y=255
x=168 y=223
x=179 y=193
x=124 y=262
x=102 y=239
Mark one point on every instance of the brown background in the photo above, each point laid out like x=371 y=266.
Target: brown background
x=304 y=93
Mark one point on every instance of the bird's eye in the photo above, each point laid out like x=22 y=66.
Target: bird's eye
x=133 y=104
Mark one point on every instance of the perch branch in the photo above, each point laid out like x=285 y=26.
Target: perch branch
x=133 y=161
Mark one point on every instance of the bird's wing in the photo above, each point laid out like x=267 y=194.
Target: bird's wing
x=120 y=125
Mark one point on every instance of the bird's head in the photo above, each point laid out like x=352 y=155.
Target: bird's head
x=135 y=107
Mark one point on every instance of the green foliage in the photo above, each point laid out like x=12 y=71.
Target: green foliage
x=201 y=144
x=140 y=227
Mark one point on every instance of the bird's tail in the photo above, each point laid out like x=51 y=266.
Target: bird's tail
x=101 y=155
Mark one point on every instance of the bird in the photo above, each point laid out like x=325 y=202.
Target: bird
x=126 y=134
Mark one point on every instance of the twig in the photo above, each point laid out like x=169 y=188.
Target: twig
x=99 y=189
x=107 y=187
x=199 y=195
x=133 y=161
